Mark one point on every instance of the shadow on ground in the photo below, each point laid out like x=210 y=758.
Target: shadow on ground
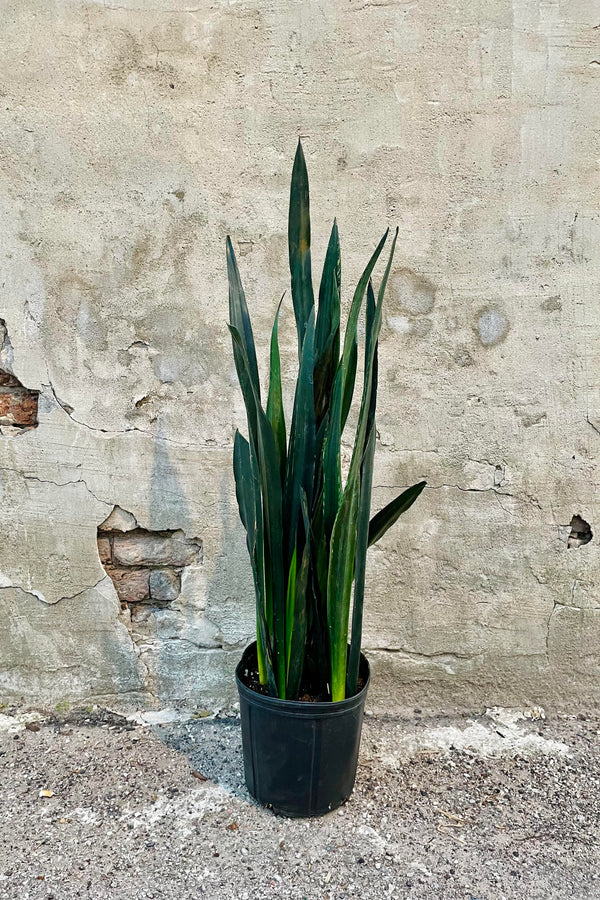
x=486 y=808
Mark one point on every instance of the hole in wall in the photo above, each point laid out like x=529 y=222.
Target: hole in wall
x=580 y=534
x=145 y=566
x=18 y=404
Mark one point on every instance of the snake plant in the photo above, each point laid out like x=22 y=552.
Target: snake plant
x=308 y=531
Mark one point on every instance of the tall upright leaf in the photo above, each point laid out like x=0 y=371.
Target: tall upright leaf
x=332 y=469
x=299 y=245
x=364 y=509
x=250 y=505
x=327 y=330
x=268 y=470
x=348 y=385
x=300 y=463
x=370 y=350
x=345 y=528
x=300 y=611
x=339 y=585
x=351 y=327
x=240 y=319
x=275 y=413
x=360 y=564
x=290 y=603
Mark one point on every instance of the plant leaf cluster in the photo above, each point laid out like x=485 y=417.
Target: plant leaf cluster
x=307 y=531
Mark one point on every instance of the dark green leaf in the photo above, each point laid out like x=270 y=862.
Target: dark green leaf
x=250 y=506
x=389 y=514
x=298 y=637
x=328 y=317
x=360 y=562
x=240 y=319
x=370 y=352
x=339 y=585
x=351 y=327
x=275 y=413
x=327 y=332
x=270 y=483
x=370 y=322
x=332 y=470
x=364 y=511
x=349 y=382
x=300 y=462
x=299 y=246
x=290 y=601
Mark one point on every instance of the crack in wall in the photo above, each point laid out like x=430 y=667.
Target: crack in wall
x=110 y=433
x=6 y=586
x=416 y=654
x=595 y=427
x=83 y=591
x=32 y=593
x=82 y=481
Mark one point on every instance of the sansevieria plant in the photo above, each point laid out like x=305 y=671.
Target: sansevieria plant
x=308 y=532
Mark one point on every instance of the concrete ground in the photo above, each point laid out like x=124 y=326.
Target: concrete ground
x=494 y=806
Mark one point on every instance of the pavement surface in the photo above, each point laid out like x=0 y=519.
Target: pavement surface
x=491 y=806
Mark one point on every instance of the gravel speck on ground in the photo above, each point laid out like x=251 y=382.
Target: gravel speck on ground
x=484 y=808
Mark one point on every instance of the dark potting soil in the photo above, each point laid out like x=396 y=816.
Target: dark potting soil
x=250 y=678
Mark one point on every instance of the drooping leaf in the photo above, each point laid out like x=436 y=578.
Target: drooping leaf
x=299 y=246
x=386 y=517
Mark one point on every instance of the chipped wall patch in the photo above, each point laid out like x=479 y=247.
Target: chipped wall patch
x=18 y=404
x=492 y=327
x=145 y=566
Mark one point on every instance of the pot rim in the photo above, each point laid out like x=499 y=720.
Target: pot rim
x=303 y=707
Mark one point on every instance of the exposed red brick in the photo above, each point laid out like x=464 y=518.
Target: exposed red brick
x=8 y=380
x=104 y=549
x=18 y=406
x=146 y=548
x=131 y=584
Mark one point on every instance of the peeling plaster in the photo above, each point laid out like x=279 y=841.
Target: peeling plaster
x=114 y=293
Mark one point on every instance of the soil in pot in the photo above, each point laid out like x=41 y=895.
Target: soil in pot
x=309 y=693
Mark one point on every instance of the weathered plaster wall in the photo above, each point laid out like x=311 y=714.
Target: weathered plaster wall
x=133 y=137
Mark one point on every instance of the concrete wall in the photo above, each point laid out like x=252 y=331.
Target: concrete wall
x=134 y=136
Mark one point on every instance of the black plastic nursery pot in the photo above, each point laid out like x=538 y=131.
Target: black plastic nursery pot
x=300 y=757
